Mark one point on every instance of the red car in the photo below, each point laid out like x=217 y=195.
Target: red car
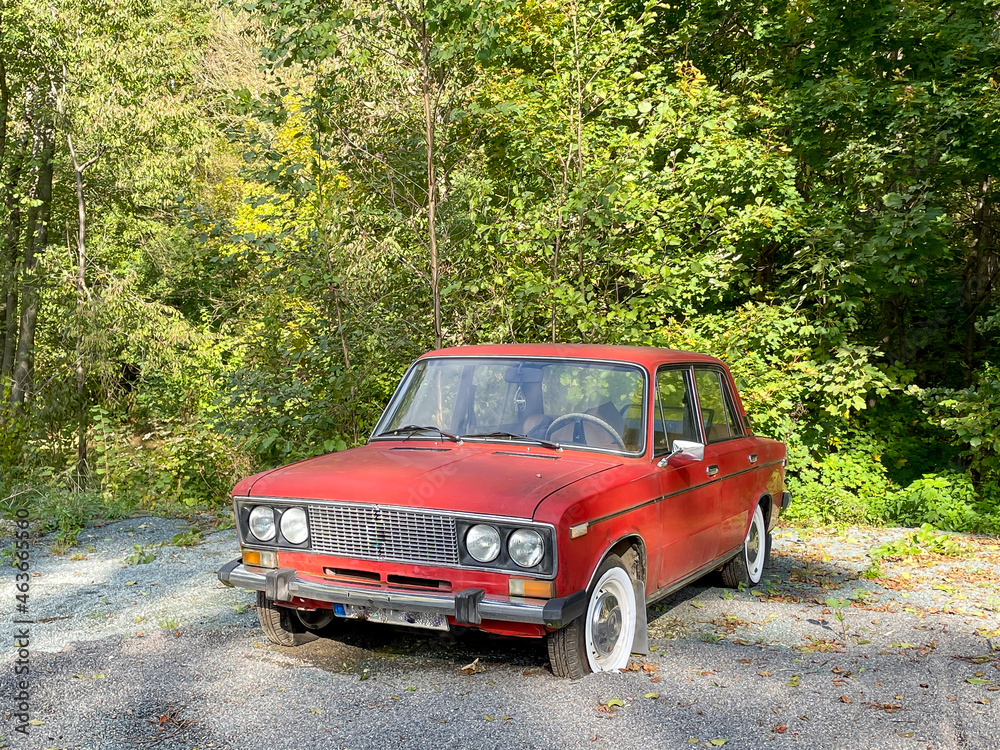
x=543 y=491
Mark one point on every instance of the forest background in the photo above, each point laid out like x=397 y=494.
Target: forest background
x=226 y=230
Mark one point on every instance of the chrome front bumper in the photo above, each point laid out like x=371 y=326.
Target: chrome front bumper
x=468 y=607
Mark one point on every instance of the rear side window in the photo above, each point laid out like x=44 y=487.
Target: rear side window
x=673 y=416
x=718 y=411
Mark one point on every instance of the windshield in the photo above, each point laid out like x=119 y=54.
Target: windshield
x=575 y=403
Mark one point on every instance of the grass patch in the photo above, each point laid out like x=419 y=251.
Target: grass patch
x=924 y=541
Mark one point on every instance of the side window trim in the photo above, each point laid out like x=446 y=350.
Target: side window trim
x=693 y=406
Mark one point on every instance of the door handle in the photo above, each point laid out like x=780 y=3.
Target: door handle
x=753 y=458
x=712 y=470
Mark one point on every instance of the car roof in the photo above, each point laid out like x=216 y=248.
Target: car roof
x=649 y=357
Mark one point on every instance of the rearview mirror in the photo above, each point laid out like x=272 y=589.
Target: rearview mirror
x=683 y=452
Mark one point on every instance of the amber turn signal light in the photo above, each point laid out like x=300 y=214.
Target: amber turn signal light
x=532 y=589
x=266 y=559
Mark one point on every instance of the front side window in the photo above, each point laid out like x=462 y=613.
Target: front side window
x=717 y=411
x=570 y=402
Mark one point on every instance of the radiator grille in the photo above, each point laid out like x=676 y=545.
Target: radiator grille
x=376 y=533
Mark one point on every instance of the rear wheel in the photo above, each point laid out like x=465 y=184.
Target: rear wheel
x=600 y=640
x=748 y=566
x=281 y=625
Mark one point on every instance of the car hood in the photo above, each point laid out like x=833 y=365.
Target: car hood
x=471 y=477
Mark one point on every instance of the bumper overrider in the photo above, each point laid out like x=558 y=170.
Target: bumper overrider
x=786 y=500
x=468 y=607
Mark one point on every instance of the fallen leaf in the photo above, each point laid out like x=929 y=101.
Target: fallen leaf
x=615 y=703
x=764 y=673
x=472 y=668
x=718 y=742
x=651 y=696
x=36 y=722
x=977 y=681
x=746 y=661
x=655 y=679
x=845 y=699
x=694 y=741
x=487 y=717
x=780 y=729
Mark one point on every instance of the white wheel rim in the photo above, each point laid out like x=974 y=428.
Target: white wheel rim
x=754 y=546
x=610 y=623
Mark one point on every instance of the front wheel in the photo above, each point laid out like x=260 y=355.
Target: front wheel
x=748 y=566
x=281 y=625
x=600 y=640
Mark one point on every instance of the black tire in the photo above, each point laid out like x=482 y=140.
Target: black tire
x=281 y=625
x=570 y=652
x=567 y=651
x=748 y=566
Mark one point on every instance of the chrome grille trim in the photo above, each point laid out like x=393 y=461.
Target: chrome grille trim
x=374 y=532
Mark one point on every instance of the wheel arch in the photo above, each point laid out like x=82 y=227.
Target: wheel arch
x=631 y=548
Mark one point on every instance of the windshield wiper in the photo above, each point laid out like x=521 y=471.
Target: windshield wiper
x=412 y=428
x=514 y=435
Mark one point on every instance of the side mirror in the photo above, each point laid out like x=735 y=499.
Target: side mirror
x=683 y=452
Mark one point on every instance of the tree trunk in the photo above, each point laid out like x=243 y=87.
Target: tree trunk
x=981 y=273
x=9 y=264
x=36 y=240
x=4 y=108
x=431 y=183
x=82 y=297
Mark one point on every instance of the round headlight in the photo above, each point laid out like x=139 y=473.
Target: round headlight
x=293 y=525
x=262 y=523
x=526 y=547
x=483 y=543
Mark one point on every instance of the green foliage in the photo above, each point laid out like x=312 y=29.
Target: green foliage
x=139 y=556
x=947 y=501
x=971 y=419
x=188 y=538
x=173 y=462
x=806 y=192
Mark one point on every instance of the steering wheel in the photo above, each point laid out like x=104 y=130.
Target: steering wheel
x=560 y=421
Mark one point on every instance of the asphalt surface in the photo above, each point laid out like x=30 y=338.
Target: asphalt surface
x=126 y=654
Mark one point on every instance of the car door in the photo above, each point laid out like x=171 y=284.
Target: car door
x=689 y=501
x=728 y=455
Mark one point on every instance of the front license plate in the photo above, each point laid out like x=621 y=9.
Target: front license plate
x=392 y=616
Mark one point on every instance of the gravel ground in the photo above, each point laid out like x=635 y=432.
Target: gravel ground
x=160 y=655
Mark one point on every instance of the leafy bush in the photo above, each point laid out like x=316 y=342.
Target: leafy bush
x=173 y=462
x=971 y=417
x=846 y=484
x=947 y=501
